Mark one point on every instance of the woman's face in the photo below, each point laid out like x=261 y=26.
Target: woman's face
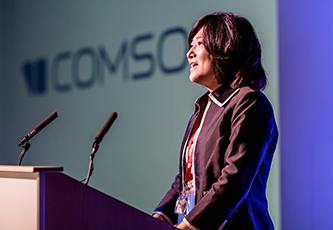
x=201 y=71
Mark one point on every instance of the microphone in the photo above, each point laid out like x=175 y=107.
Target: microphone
x=105 y=128
x=98 y=139
x=38 y=128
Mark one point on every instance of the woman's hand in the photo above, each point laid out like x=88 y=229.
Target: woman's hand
x=160 y=217
x=183 y=226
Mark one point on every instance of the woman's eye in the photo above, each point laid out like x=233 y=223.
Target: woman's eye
x=199 y=43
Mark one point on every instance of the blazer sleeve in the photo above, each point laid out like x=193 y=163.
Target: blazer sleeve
x=252 y=130
x=167 y=204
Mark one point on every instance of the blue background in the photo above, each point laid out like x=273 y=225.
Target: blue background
x=305 y=73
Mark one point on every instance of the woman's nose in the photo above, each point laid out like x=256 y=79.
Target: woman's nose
x=190 y=53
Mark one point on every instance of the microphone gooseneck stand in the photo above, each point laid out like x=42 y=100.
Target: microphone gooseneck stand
x=25 y=147
x=91 y=163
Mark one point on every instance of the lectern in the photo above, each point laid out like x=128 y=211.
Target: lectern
x=39 y=197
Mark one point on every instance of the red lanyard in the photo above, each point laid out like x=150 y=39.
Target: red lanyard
x=190 y=150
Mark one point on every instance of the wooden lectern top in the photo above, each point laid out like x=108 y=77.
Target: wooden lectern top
x=30 y=169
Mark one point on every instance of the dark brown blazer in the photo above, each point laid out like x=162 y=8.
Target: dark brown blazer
x=232 y=161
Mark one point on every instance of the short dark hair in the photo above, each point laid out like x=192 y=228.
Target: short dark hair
x=234 y=49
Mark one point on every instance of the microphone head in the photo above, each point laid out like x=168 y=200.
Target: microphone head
x=39 y=127
x=105 y=128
